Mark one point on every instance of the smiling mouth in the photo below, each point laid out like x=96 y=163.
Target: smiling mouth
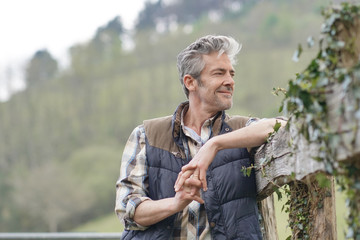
x=226 y=93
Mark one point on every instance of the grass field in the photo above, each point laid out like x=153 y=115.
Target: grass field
x=107 y=223
x=110 y=223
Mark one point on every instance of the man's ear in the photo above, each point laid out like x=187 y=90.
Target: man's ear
x=190 y=82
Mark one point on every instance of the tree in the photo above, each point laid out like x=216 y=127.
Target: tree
x=42 y=67
x=147 y=17
x=47 y=194
x=107 y=40
x=100 y=54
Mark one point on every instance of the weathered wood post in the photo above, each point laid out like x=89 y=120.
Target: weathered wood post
x=268 y=223
x=289 y=157
x=298 y=169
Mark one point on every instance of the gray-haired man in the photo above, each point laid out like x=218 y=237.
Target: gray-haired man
x=158 y=149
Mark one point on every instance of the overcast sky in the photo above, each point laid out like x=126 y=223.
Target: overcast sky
x=29 y=25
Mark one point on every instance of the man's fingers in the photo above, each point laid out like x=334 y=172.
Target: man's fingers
x=196 y=173
x=198 y=199
x=195 y=194
x=202 y=178
x=194 y=190
x=181 y=179
x=190 y=166
x=178 y=178
x=193 y=182
x=195 y=197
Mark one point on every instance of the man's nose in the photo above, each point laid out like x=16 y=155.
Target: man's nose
x=229 y=80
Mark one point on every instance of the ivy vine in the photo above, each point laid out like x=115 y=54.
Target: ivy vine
x=306 y=104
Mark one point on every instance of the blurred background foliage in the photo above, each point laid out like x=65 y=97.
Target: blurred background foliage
x=62 y=137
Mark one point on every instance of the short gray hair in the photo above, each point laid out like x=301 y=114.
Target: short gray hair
x=190 y=61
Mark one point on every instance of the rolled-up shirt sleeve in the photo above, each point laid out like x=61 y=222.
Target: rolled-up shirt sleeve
x=132 y=185
x=251 y=120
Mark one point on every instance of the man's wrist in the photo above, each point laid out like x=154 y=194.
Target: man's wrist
x=176 y=205
x=214 y=144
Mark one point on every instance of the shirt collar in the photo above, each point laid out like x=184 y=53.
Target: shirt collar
x=206 y=129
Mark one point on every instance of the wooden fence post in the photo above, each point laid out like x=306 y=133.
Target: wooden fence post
x=268 y=223
x=277 y=163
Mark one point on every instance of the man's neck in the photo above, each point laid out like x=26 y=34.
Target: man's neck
x=195 y=117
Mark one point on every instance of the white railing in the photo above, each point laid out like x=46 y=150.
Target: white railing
x=59 y=235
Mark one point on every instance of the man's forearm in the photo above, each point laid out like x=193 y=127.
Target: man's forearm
x=150 y=212
x=247 y=137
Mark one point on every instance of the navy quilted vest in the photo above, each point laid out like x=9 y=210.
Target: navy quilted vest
x=230 y=201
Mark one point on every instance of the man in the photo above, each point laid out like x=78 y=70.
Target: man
x=158 y=149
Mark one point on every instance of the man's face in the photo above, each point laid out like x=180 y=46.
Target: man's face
x=217 y=84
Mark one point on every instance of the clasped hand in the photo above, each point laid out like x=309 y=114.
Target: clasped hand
x=196 y=169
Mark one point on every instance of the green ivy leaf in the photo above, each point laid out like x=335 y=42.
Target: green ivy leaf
x=281 y=108
x=243 y=170
x=248 y=171
x=279 y=194
x=277 y=126
x=323 y=180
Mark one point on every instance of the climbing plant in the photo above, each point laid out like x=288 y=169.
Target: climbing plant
x=306 y=103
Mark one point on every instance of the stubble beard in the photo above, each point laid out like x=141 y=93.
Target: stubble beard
x=224 y=105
